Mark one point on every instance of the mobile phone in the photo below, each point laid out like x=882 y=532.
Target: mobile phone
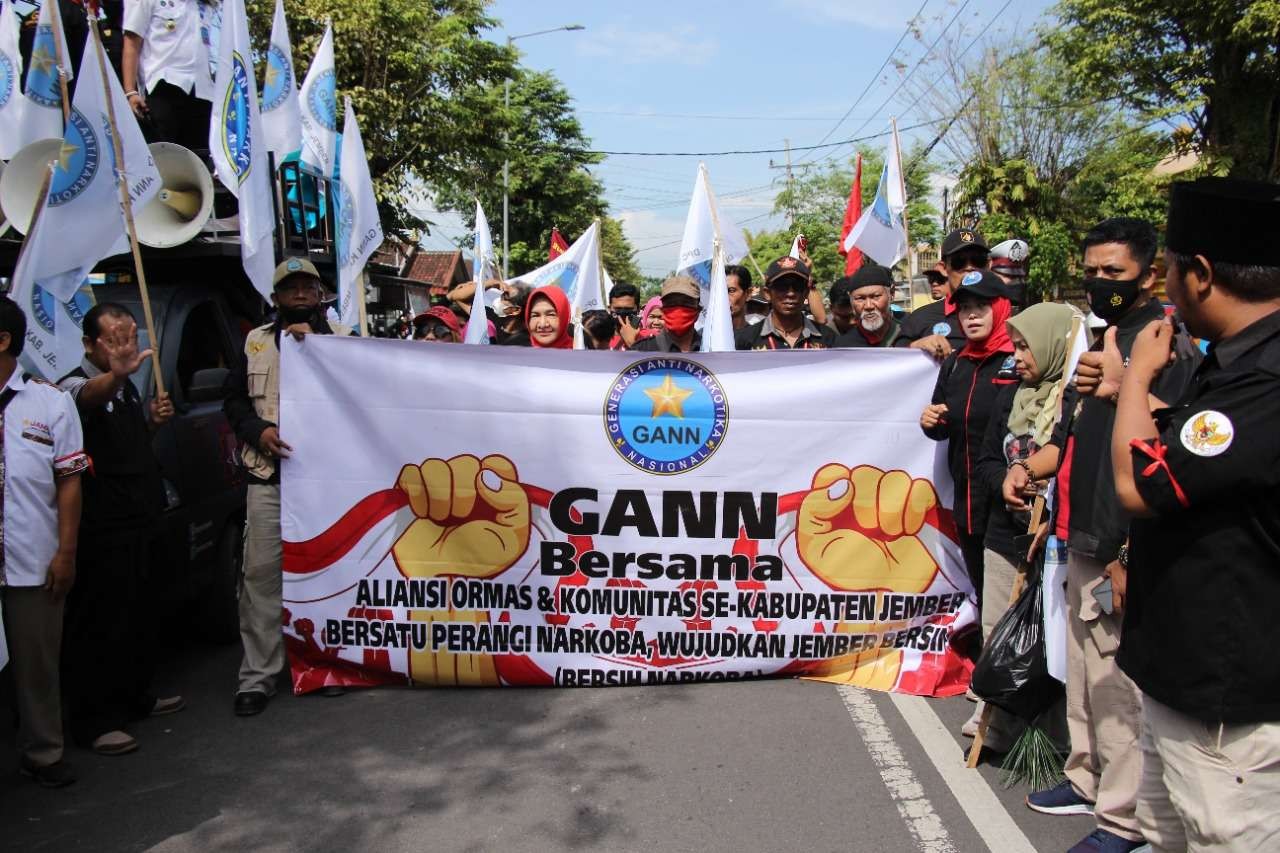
x=1102 y=592
x=627 y=316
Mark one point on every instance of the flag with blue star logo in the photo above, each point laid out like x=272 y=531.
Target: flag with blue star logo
x=881 y=231
x=42 y=112
x=238 y=147
x=318 y=104
x=84 y=194
x=11 y=99
x=359 y=228
x=705 y=223
x=281 y=117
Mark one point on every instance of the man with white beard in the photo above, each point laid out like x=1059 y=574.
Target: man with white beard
x=874 y=326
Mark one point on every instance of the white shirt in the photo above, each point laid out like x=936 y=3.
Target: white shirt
x=173 y=44
x=42 y=442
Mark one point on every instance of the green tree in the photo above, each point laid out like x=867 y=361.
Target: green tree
x=1213 y=63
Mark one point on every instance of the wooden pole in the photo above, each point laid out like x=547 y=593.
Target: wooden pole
x=42 y=201
x=902 y=186
x=55 y=22
x=364 y=309
x=126 y=202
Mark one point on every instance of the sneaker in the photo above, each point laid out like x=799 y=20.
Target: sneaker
x=1101 y=841
x=168 y=705
x=56 y=775
x=1060 y=800
x=114 y=743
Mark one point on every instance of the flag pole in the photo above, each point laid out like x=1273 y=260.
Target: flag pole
x=126 y=203
x=902 y=186
x=715 y=222
x=364 y=310
x=599 y=261
x=42 y=201
x=55 y=22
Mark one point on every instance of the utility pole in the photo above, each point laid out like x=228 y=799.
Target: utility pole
x=790 y=168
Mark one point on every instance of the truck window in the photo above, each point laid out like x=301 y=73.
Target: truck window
x=203 y=343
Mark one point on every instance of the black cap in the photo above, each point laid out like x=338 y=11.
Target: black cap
x=1226 y=220
x=982 y=283
x=963 y=238
x=784 y=267
x=935 y=276
x=869 y=274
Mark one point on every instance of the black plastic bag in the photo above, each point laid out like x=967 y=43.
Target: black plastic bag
x=1012 y=673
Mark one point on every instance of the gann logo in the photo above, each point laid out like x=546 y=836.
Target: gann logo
x=42 y=77
x=666 y=415
x=237 y=136
x=346 y=216
x=279 y=79
x=322 y=102
x=77 y=161
x=7 y=77
x=44 y=308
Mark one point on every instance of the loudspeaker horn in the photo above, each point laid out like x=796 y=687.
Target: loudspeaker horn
x=20 y=184
x=184 y=203
x=4 y=223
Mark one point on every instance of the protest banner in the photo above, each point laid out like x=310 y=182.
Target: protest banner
x=614 y=519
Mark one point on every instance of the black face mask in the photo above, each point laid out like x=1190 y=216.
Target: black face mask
x=1110 y=298
x=297 y=314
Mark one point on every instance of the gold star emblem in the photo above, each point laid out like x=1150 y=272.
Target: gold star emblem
x=42 y=59
x=273 y=74
x=65 y=152
x=668 y=398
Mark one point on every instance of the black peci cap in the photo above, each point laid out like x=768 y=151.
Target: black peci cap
x=1226 y=220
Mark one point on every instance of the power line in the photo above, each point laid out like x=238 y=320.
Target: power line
x=710 y=116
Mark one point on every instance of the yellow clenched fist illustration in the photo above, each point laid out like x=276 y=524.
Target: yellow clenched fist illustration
x=472 y=518
x=472 y=521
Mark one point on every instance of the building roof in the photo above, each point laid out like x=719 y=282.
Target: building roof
x=438 y=269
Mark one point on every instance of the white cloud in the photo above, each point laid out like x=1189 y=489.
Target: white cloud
x=648 y=230
x=683 y=45
x=876 y=16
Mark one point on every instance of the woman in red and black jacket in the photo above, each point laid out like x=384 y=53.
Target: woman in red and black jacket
x=964 y=400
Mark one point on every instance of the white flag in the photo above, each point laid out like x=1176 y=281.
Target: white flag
x=717 y=332
x=795 y=248
x=478 y=322
x=319 y=109
x=238 y=149
x=83 y=214
x=359 y=229
x=11 y=100
x=281 y=119
x=54 y=326
x=881 y=231
x=703 y=225
x=42 y=113
x=576 y=271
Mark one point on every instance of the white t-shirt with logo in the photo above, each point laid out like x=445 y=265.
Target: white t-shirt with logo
x=174 y=47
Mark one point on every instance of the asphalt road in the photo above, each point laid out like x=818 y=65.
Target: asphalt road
x=771 y=766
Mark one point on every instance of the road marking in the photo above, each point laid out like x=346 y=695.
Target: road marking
x=979 y=803
x=908 y=794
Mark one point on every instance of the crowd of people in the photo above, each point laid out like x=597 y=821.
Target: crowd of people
x=1162 y=477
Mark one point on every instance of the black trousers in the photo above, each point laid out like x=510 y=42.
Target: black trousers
x=108 y=643
x=177 y=116
x=971 y=548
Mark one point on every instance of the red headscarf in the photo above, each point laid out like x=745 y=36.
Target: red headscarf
x=998 y=340
x=564 y=340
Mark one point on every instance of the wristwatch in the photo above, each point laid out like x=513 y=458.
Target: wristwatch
x=1122 y=556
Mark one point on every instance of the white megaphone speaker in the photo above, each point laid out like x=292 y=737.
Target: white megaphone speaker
x=184 y=202
x=22 y=179
x=4 y=220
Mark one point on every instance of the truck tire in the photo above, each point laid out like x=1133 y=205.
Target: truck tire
x=221 y=601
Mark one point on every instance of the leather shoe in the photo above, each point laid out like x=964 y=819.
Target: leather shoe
x=114 y=743
x=56 y=775
x=250 y=702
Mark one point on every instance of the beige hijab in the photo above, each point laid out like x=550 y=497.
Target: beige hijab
x=1046 y=327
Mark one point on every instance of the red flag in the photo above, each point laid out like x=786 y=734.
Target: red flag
x=558 y=245
x=852 y=259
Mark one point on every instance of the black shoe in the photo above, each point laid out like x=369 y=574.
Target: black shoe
x=56 y=775
x=251 y=702
x=333 y=690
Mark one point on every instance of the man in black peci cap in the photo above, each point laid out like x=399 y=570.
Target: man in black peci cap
x=934 y=327
x=1202 y=478
x=786 y=326
x=869 y=293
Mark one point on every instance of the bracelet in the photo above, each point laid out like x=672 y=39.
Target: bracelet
x=131 y=93
x=1022 y=463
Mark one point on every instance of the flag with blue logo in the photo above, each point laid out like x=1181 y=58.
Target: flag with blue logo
x=358 y=225
x=11 y=99
x=717 y=331
x=83 y=212
x=881 y=231
x=238 y=148
x=54 y=325
x=318 y=103
x=702 y=226
x=42 y=113
x=478 y=322
x=281 y=117
x=576 y=271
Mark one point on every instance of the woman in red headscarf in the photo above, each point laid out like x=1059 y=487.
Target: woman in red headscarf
x=963 y=400
x=546 y=316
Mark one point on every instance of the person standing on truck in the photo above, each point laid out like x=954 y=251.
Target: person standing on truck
x=252 y=408
x=108 y=657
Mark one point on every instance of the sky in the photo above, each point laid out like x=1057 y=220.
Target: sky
x=711 y=76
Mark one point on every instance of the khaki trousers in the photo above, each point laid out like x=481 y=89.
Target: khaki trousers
x=1208 y=787
x=1104 y=708
x=997 y=585
x=33 y=626
x=260 y=605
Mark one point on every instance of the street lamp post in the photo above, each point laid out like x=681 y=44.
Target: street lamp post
x=506 y=159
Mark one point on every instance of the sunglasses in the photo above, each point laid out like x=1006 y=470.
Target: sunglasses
x=790 y=286
x=436 y=330
x=969 y=260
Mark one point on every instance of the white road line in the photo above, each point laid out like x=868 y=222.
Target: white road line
x=908 y=794
x=977 y=800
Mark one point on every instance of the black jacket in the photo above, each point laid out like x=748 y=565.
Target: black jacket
x=969 y=388
x=662 y=342
x=854 y=338
x=928 y=320
x=1000 y=449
